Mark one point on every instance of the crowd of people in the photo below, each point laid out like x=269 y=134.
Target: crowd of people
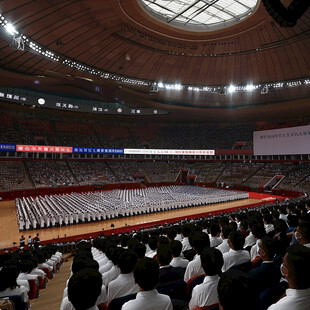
x=23 y=273
x=58 y=210
x=255 y=258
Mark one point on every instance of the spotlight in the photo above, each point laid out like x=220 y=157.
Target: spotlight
x=231 y=89
x=10 y=29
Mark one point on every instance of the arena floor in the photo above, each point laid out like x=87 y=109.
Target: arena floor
x=9 y=232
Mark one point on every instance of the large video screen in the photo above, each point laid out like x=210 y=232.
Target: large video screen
x=284 y=141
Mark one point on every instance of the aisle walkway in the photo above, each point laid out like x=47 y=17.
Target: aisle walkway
x=50 y=298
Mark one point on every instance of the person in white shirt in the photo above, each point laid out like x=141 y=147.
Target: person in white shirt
x=236 y=254
x=237 y=290
x=200 y=241
x=296 y=270
x=215 y=239
x=153 y=243
x=8 y=285
x=124 y=284
x=224 y=246
x=84 y=288
x=250 y=239
x=114 y=272
x=25 y=269
x=186 y=230
x=259 y=232
x=146 y=274
x=205 y=294
x=177 y=261
x=268 y=225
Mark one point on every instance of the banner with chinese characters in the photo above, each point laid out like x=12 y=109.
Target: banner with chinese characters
x=284 y=141
x=97 y=150
x=168 y=152
x=43 y=149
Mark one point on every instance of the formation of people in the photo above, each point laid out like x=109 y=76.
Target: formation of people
x=58 y=210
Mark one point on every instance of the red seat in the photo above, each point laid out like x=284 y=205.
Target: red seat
x=189 y=287
x=34 y=291
x=48 y=273
x=43 y=282
x=214 y=306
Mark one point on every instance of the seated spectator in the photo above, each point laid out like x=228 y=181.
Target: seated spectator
x=250 y=239
x=236 y=290
x=84 y=288
x=25 y=269
x=109 y=264
x=205 y=294
x=153 y=243
x=224 y=246
x=8 y=285
x=200 y=241
x=268 y=273
x=303 y=231
x=124 y=284
x=215 y=239
x=236 y=254
x=186 y=230
x=172 y=233
x=114 y=272
x=259 y=232
x=177 y=261
x=140 y=250
x=146 y=274
x=167 y=273
x=268 y=224
x=296 y=270
x=280 y=228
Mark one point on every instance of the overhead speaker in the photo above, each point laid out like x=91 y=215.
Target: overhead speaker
x=286 y=17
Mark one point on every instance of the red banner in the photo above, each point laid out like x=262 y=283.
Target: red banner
x=43 y=149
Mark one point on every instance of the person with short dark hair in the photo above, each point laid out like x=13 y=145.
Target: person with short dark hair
x=259 y=232
x=114 y=272
x=236 y=254
x=224 y=247
x=237 y=290
x=177 y=261
x=8 y=284
x=167 y=273
x=215 y=231
x=303 y=231
x=124 y=284
x=205 y=294
x=84 y=288
x=200 y=241
x=140 y=250
x=146 y=273
x=268 y=273
x=153 y=244
x=296 y=270
x=186 y=230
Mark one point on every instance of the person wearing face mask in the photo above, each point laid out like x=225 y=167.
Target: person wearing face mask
x=296 y=270
x=302 y=233
x=268 y=273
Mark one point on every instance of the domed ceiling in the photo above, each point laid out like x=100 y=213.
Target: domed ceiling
x=214 y=62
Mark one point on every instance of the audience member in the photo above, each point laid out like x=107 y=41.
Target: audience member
x=236 y=290
x=296 y=270
x=146 y=274
x=124 y=284
x=84 y=288
x=236 y=254
x=205 y=294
